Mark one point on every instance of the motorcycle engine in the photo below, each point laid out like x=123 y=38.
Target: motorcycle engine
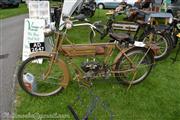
x=91 y=69
x=90 y=66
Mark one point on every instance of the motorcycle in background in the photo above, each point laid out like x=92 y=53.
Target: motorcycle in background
x=86 y=7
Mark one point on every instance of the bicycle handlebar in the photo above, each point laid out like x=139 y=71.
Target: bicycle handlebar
x=80 y=17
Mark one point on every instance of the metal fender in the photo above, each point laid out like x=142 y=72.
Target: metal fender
x=43 y=53
x=131 y=49
x=117 y=57
x=62 y=65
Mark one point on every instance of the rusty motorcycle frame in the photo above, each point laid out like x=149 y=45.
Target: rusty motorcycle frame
x=56 y=64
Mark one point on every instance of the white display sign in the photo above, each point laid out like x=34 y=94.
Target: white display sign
x=33 y=33
x=40 y=10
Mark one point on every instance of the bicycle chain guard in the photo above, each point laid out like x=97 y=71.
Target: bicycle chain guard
x=81 y=81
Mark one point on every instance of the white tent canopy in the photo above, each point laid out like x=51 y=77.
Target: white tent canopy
x=69 y=6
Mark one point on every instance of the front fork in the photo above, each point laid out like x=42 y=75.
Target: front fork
x=62 y=65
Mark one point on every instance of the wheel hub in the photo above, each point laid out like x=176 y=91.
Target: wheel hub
x=155 y=48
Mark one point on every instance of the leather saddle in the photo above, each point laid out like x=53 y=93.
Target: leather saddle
x=121 y=37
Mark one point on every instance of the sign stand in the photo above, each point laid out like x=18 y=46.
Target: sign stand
x=34 y=28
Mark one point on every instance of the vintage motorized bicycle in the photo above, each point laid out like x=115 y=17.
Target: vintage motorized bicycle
x=146 y=32
x=153 y=32
x=48 y=73
x=172 y=30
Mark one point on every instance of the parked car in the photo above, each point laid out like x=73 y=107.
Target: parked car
x=101 y=4
x=9 y=3
x=174 y=8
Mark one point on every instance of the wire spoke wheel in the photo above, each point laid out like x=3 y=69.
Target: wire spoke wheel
x=37 y=77
x=101 y=6
x=159 y=44
x=135 y=70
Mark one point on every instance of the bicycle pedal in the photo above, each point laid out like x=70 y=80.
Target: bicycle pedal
x=86 y=83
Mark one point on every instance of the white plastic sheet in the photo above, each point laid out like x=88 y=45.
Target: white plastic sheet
x=69 y=6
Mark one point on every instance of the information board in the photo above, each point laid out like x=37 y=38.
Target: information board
x=33 y=33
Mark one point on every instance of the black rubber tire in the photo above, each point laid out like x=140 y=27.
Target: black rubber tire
x=4 y=6
x=168 y=42
x=20 y=76
x=149 y=59
x=169 y=36
x=16 y=6
x=93 y=12
x=175 y=39
x=101 y=5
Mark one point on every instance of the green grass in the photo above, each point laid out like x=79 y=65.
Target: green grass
x=156 y=98
x=9 y=12
x=55 y=3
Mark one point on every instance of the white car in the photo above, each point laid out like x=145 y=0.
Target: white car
x=101 y=4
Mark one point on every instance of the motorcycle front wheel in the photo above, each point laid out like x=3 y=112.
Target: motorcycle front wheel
x=33 y=78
